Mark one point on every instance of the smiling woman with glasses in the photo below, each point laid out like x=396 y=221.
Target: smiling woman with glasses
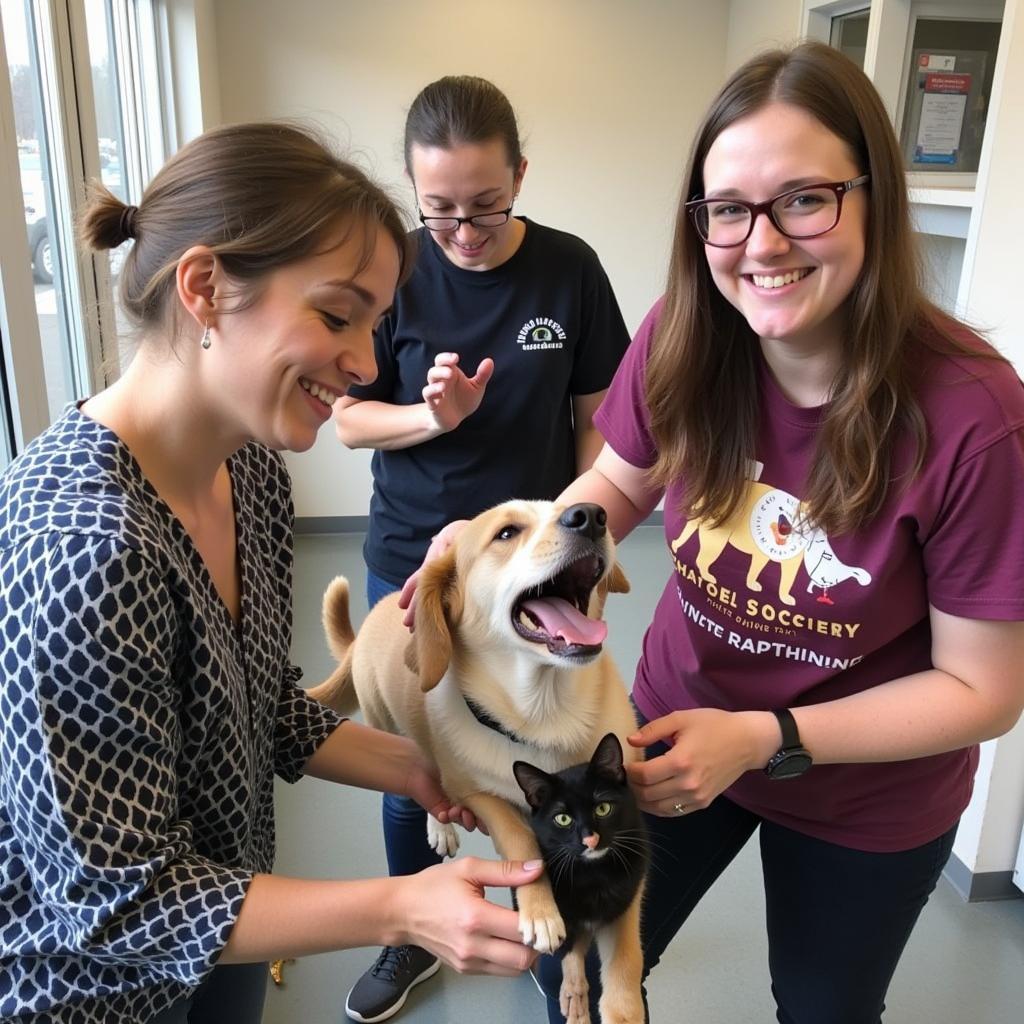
x=491 y=363
x=842 y=468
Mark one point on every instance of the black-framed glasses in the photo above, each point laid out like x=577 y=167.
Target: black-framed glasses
x=804 y=212
x=478 y=220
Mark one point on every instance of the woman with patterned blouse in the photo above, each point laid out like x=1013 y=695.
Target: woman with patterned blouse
x=146 y=697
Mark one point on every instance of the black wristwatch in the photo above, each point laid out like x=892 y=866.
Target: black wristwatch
x=791 y=759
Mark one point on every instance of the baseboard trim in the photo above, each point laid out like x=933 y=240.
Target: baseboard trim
x=331 y=524
x=359 y=524
x=977 y=887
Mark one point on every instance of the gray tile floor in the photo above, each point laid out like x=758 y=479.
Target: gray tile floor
x=964 y=964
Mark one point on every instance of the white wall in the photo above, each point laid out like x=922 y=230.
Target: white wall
x=608 y=95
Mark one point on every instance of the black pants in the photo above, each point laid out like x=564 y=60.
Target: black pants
x=838 y=919
x=231 y=994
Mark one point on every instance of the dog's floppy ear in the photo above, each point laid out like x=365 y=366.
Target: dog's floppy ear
x=616 y=580
x=438 y=610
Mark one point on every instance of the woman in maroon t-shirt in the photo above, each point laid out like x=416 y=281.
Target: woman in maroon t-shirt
x=841 y=464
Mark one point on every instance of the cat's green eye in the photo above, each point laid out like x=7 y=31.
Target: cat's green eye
x=563 y=820
x=603 y=809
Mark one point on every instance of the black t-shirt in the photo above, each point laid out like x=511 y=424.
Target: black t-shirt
x=549 y=319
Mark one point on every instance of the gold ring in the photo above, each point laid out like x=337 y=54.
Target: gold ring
x=679 y=808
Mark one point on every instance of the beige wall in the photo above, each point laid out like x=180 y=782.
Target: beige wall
x=757 y=24
x=608 y=94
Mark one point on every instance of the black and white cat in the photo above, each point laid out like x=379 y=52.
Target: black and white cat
x=592 y=835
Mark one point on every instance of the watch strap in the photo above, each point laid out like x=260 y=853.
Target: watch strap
x=787 y=723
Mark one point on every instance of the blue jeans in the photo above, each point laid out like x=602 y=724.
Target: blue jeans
x=377 y=587
x=405 y=822
x=838 y=919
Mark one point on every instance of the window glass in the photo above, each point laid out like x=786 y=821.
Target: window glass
x=850 y=35
x=63 y=356
x=108 y=90
x=953 y=62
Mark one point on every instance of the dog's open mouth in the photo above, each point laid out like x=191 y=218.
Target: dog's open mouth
x=555 y=612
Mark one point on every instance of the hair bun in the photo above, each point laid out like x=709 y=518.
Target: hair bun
x=126 y=225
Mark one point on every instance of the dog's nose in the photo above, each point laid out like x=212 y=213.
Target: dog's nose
x=590 y=520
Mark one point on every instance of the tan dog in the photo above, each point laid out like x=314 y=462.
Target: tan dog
x=505 y=664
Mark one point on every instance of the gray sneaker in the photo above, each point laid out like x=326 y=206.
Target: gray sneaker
x=381 y=992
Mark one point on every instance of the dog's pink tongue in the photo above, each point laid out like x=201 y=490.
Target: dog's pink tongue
x=560 y=618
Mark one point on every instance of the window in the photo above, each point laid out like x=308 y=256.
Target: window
x=849 y=33
x=75 y=120
x=38 y=117
x=949 y=83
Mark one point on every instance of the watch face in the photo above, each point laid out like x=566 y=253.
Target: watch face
x=788 y=764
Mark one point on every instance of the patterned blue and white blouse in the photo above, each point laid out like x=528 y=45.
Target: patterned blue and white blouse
x=140 y=729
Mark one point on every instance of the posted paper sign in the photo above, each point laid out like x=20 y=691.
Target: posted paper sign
x=942 y=118
x=936 y=62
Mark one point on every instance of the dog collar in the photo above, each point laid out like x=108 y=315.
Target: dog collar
x=485 y=719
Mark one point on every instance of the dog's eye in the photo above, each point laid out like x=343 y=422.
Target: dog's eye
x=603 y=809
x=508 y=532
x=563 y=820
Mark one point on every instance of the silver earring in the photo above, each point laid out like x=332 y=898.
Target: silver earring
x=206 y=342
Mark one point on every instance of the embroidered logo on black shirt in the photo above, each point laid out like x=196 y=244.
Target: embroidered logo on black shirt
x=541 y=332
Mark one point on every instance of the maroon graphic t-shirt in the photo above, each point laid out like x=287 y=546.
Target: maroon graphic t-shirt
x=767 y=612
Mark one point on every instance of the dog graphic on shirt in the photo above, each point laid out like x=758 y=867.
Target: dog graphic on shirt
x=768 y=526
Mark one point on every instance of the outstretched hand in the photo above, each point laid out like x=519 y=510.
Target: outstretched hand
x=450 y=395
x=446 y=912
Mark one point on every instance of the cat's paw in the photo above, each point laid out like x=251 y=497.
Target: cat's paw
x=572 y=996
x=540 y=923
x=443 y=839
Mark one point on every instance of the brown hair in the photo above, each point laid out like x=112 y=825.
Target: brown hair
x=260 y=196
x=459 y=109
x=702 y=385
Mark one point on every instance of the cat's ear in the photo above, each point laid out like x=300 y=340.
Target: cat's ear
x=607 y=759
x=535 y=784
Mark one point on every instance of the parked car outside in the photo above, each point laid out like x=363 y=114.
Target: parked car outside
x=34 y=198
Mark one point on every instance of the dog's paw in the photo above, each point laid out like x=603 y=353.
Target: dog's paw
x=572 y=996
x=545 y=934
x=540 y=923
x=443 y=839
x=622 y=1008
